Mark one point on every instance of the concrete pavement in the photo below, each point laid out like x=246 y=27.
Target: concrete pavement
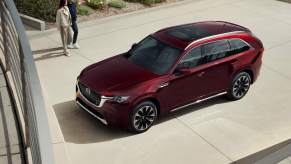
x=217 y=131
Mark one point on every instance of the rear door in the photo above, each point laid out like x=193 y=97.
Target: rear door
x=217 y=69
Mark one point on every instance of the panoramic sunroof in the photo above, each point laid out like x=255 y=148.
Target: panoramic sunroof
x=188 y=33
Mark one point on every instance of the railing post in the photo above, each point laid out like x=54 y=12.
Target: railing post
x=23 y=80
x=5 y=46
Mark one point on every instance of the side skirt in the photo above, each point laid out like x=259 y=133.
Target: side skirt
x=199 y=101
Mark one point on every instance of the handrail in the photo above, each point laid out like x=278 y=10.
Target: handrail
x=19 y=62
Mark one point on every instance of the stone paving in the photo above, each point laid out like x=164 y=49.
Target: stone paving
x=10 y=141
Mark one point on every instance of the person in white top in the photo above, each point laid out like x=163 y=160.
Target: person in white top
x=63 y=22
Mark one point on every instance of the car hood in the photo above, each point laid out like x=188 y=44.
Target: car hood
x=116 y=73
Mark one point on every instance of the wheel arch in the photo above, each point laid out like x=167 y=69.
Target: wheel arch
x=250 y=72
x=152 y=99
x=247 y=70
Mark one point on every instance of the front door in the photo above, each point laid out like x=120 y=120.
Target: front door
x=184 y=85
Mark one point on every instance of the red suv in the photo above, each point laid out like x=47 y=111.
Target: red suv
x=169 y=70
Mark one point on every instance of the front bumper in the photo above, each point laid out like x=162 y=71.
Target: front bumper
x=87 y=109
x=108 y=113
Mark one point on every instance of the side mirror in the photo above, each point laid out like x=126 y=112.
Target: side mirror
x=182 y=71
x=133 y=46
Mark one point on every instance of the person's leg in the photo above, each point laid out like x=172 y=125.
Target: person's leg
x=64 y=34
x=76 y=31
x=70 y=38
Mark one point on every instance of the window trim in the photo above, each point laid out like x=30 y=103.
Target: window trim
x=189 y=48
x=213 y=36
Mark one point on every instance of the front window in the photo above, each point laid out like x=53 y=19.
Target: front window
x=154 y=55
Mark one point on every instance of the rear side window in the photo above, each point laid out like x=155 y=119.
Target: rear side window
x=215 y=50
x=238 y=46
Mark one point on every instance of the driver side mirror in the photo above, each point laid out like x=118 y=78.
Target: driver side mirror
x=182 y=71
x=133 y=46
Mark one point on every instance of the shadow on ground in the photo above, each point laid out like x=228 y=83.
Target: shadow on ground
x=48 y=53
x=79 y=127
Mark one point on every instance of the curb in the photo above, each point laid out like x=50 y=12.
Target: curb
x=32 y=22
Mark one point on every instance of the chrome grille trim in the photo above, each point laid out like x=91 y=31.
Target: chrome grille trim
x=102 y=101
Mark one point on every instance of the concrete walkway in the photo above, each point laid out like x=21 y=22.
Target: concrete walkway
x=11 y=151
x=217 y=131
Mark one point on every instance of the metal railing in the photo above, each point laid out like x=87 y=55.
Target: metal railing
x=16 y=58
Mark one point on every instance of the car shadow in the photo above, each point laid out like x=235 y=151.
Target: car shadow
x=193 y=108
x=79 y=127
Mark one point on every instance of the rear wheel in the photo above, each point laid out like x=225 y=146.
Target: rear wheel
x=240 y=86
x=143 y=116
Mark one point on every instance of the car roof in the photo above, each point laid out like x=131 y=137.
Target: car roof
x=183 y=35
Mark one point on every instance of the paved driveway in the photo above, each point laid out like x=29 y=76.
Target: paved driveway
x=217 y=131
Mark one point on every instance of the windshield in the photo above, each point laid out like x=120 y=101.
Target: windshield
x=154 y=55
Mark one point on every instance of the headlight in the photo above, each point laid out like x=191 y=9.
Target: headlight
x=120 y=99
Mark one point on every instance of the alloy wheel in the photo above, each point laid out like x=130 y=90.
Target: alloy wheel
x=144 y=117
x=241 y=86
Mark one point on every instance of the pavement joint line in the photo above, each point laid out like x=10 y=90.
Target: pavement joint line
x=5 y=146
x=83 y=56
x=4 y=155
x=137 y=12
x=110 y=18
x=193 y=131
x=262 y=14
x=274 y=70
x=152 y=21
x=279 y=45
x=94 y=23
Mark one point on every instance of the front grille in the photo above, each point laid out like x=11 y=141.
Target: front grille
x=89 y=94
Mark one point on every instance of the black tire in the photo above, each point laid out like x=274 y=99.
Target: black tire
x=143 y=116
x=239 y=86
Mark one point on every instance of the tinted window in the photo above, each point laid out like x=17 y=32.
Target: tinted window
x=154 y=55
x=215 y=50
x=238 y=46
x=192 y=59
x=188 y=32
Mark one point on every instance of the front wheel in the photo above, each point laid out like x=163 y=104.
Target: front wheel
x=240 y=86
x=143 y=116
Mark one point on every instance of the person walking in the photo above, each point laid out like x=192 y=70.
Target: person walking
x=72 y=5
x=63 y=22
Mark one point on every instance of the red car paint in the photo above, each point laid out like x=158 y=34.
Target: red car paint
x=117 y=76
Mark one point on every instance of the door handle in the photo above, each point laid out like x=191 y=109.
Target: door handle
x=201 y=74
x=163 y=85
